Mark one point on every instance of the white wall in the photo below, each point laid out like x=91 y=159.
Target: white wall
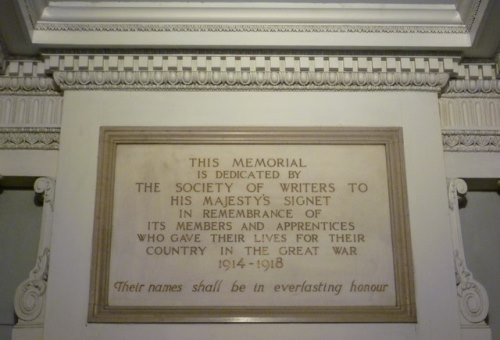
x=480 y=220
x=28 y=163
x=417 y=113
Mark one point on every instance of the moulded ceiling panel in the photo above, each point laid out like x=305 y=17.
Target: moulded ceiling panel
x=288 y=24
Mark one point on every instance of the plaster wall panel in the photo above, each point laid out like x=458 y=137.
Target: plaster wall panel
x=28 y=162
x=85 y=111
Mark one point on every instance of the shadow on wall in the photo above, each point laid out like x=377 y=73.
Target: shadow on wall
x=480 y=219
x=20 y=219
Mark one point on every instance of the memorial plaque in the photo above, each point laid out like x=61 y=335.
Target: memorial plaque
x=251 y=225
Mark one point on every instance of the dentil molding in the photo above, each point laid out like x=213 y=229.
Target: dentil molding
x=470 y=109
x=30 y=91
x=474 y=80
x=26 y=77
x=250 y=71
x=30 y=107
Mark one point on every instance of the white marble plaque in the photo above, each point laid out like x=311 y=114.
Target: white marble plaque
x=252 y=225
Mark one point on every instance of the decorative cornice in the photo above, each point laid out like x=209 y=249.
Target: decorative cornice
x=298 y=17
x=29 y=138
x=470 y=109
x=236 y=24
x=25 y=68
x=471 y=141
x=474 y=80
x=249 y=80
x=252 y=62
x=28 y=12
x=30 y=111
x=472 y=88
x=250 y=28
x=252 y=72
x=28 y=85
x=31 y=11
x=27 y=77
x=470 y=113
x=471 y=18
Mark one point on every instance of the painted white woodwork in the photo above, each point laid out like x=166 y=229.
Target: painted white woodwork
x=472 y=297
x=251 y=71
x=470 y=110
x=29 y=301
x=471 y=12
x=465 y=113
x=259 y=24
x=26 y=77
x=251 y=13
x=30 y=110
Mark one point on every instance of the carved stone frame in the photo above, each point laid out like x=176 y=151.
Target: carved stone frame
x=391 y=137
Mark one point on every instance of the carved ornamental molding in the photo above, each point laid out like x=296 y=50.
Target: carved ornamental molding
x=250 y=72
x=30 y=111
x=471 y=141
x=473 y=88
x=27 y=77
x=30 y=91
x=250 y=28
x=29 y=300
x=472 y=296
x=27 y=85
x=470 y=109
x=29 y=138
x=298 y=23
x=30 y=107
x=474 y=80
x=465 y=113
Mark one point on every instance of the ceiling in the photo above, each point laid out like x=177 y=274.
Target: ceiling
x=296 y=1
x=467 y=27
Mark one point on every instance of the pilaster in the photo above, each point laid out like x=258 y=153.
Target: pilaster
x=470 y=110
x=30 y=107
